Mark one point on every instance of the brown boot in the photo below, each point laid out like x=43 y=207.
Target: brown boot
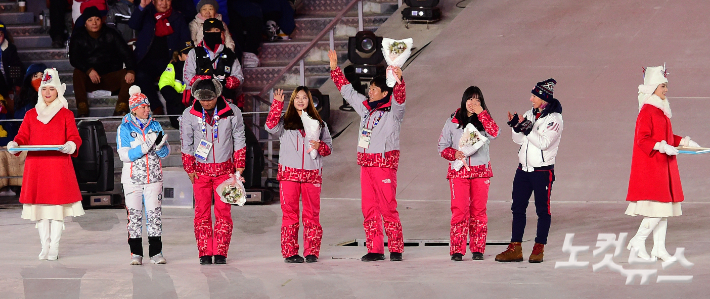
x=537 y=253
x=514 y=253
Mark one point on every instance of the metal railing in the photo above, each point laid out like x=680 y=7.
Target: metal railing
x=299 y=59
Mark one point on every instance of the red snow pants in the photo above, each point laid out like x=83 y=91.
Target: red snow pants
x=379 y=188
x=211 y=241
x=468 y=214
x=312 y=231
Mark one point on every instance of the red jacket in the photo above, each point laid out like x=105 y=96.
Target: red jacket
x=654 y=175
x=49 y=176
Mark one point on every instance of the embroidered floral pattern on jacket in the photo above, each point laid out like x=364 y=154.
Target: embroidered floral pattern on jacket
x=289 y=240
x=312 y=236
x=222 y=235
x=399 y=92
x=188 y=163
x=338 y=78
x=286 y=173
x=274 y=114
x=458 y=235
x=372 y=230
x=214 y=169
x=477 y=171
x=240 y=158
x=479 y=233
x=395 y=240
x=390 y=159
x=449 y=153
x=323 y=150
x=488 y=124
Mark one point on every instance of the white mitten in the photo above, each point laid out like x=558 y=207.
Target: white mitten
x=11 y=145
x=686 y=142
x=665 y=148
x=68 y=148
x=148 y=143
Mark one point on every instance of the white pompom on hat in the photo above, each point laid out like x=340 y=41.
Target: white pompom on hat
x=136 y=99
x=652 y=77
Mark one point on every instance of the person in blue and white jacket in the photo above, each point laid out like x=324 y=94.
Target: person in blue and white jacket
x=141 y=144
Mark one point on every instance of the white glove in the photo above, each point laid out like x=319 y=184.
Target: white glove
x=11 y=145
x=686 y=142
x=68 y=148
x=665 y=148
x=162 y=142
x=149 y=142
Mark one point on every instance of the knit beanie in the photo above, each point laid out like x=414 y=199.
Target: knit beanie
x=136 y=99
x=35 y=68
x=545 y=89
x=210 y=2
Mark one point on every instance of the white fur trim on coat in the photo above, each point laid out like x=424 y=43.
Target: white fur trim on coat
x=657 y=102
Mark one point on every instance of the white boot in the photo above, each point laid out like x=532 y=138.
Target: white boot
x=659 y=242
x=639 y=240
x=43 y=228
x=56 y=234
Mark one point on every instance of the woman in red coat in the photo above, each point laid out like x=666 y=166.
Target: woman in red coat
x=654 y=186
x=49 y=187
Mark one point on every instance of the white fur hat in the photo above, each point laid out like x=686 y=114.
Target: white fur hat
x=652 y=77
x=50 y=77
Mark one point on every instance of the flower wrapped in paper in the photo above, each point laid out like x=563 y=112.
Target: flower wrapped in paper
x=312 y=128
x=471 y=140
x=396 y=53
x=232 y=190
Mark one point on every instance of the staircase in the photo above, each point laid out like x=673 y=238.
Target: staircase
x=34 y=46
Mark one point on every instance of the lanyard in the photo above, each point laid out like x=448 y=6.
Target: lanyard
x=377 y=120
x=215 y=128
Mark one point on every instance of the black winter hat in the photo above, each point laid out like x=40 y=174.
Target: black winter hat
x=545 y=89
x=91 y=11
x=212 y=23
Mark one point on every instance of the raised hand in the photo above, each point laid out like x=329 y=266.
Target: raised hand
x=398 y=73
x=279 y=95
x=333 y=56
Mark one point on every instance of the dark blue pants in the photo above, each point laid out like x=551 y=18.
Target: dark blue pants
x=538 y=182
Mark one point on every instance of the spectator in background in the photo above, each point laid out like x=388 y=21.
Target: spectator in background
x=221 y=8
x=57 y=26
x=119 y=12
x=79 y=7
x=27 y=99
x=160 y=31
x=98 y=54
x=171 y=86
x=186 y=8
x=213 y=59
x=280 y=20
x=247 y=26
x=11 y=67
x=207 y=9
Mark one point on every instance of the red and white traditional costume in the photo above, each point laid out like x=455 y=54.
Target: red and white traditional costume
x=49 y=187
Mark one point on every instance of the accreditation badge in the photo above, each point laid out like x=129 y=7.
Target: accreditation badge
x=203 y=149
x=364 y=140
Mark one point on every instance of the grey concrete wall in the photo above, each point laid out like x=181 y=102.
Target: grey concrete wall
x=594 y=49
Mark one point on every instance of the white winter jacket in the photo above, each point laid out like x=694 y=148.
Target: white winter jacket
x=539 y=148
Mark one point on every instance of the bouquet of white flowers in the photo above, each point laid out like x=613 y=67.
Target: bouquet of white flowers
x=470 y=142
x=232 y=190
x=396 y=53
x=312 y=128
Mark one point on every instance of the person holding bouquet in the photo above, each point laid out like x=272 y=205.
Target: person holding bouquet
x=655 y=191
x=50 y=190
x=538 y=132
x=141 y=143
x=299 y=174
x=469 y=184
x=213 y=147
x=381 y=114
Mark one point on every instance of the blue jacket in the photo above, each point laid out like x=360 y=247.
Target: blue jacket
x=139 y=168
x=143 y=22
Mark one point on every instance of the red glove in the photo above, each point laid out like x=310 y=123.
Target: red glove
x=232 y=82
